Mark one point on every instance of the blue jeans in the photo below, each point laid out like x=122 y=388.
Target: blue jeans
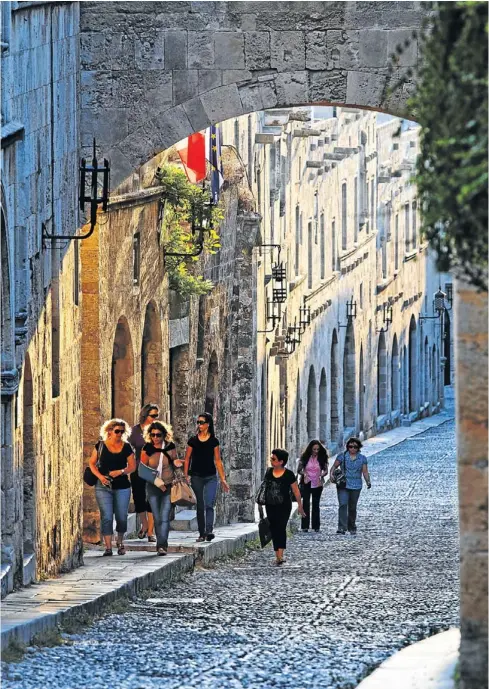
x=347 y=512
x=112 y=502
x=160 y=506
x=205 y=489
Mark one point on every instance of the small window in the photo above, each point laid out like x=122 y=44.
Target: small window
x=344 y=217
x=415 y=224
x=136 y=258
x=361 y=295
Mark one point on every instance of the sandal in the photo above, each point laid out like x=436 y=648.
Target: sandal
x=107 y=551
x=142 y=532
x=121 y=549
x=161 y=551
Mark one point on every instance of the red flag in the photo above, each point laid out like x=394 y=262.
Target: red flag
x=192 y=155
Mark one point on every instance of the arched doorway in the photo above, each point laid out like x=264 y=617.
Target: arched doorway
x=323 y=409
x=434 y=374
x=404 y=381
x=395 y=374
x=361 y=391
x=212 y=386
x=426 y=372
x=382 y=376
x=335 y=412
x=29 y=461
x=349 y=379
x=151 y=357
x=446 y=349
x=311 y=405
x=123 y=373
x=298 y=417
x=413 y=366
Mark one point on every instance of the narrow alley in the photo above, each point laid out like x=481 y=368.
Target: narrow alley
x=338 y=608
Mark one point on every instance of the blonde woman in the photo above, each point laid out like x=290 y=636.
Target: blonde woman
x=112 y=461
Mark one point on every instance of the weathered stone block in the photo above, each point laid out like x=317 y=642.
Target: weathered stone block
x=222 y=103
x=288 y=51
x=209 y=79
x=200 y=49
x=229 y=50
x=373 y=48
x=175 y=50
x=292 y=88
x=316 y=50
x=234 y=76
x=185 y=85
x=365 y=88
x=329 y=87
x=258 y=97
x=149 y=52
x=257 y=50
x=196 y=114
x=409 y=55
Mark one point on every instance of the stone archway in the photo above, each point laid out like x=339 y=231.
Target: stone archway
x=151 y=358
x=323 y=408
x=178 y=77
x=311 y=406
x=334 y=378
x=361 y=391
x=123 y=373
x=395 y=376
x=413 y=367
x=382 y=375
x=211 y=389
x=349 y=388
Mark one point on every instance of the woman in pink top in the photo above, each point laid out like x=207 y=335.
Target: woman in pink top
x=313 y=466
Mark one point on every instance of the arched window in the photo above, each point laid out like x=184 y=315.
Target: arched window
x=344 y=217
x=151 y=357
x=334 y=378
x=322 y=247
x=311 y=406
x=323 y=409
x=349 y=387
x=123 y=373
x=413 y=366
x=382 y=376
x=395 y=374
x=309 y=255
x=297 y=240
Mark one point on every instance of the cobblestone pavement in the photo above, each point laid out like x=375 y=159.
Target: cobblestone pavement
x=338 y=608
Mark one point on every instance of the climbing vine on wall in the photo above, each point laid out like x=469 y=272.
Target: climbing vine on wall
x=181 y=200
x=450 y=104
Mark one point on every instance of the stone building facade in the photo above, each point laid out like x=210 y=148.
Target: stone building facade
x=41 y=308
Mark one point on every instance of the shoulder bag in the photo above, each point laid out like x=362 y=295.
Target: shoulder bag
x=88 y=475
x=264 y=528
x=339 y=473
x=269 y=492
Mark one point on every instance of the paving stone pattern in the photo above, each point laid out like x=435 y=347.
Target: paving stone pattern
x=339 y=607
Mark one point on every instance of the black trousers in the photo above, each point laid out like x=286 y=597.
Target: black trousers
x=307 y=492
x=278 y=516
x=138 y=486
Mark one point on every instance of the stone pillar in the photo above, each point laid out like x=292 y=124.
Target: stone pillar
x=244 y=370
x=471 y=401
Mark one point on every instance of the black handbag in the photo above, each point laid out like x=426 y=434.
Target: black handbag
x=88 y=475
x=339 y=474
x=269 y=492
x=264 y=528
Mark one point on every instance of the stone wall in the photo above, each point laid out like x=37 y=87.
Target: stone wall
x=41 y=400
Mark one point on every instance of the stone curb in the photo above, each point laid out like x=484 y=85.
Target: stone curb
x=427 y=664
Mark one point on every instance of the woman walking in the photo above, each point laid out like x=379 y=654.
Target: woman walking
x=147 y=415
x=112 y=461
x=202 y=463
x=353 y=465
x=313 y=467
x=278 y=503
x=159 y=453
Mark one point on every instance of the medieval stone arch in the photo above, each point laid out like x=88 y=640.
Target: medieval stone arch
x=334 y=373
x=349 y=388
x=413 y=366
x=311 y=405
x=382 y=375
x=395 y=376
x=323 y=408
x=123 y=398
x=151 y=357
x=361 y=391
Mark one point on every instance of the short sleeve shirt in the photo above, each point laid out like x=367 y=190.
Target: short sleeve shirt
x=353 y=469
x=112 y=461
x=202 y=459
x=284 y=481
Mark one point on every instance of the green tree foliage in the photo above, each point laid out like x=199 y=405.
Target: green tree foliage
x=450 y=104
x=182 y=201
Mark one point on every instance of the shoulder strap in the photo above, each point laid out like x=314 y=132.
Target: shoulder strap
x=99 y=451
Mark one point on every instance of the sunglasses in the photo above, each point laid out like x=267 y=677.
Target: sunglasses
x=156 y=435
x=353 y=447
x=118 y=431
x=153 y=416
x=202 y=423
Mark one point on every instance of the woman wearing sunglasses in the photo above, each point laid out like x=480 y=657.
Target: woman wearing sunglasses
x=148 y=414
x=112 y=461
x=159 y=453
x=353 y=465
x=203 y=463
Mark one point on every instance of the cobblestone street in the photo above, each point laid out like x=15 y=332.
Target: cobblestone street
x=338 y=608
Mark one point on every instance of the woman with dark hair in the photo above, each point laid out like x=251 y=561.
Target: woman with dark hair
x=347 y=472
x=278 y=503
x=313 y=467
x=159 y=453
x=147 y=415
x=202 y=463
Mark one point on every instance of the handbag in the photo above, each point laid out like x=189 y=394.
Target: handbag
x=269 y=492
x=88 y=475
x=181 y=493
x=339 y=474
x=264 y=531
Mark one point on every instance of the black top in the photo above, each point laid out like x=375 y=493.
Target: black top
x=284 y=482
x=111 y=461
x=202 y=459
x=150 y=449
x=137 y=440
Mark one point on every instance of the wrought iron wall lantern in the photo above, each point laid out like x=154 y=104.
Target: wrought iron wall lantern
x=272 y=314
x=279 y=272
x=201 y=223
x=387 y=317
x=289 y=344
x=438 y=306
x=351 y=313
x=91 y=172
x=279 y=295
x=449 y=293
x=304 y=317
